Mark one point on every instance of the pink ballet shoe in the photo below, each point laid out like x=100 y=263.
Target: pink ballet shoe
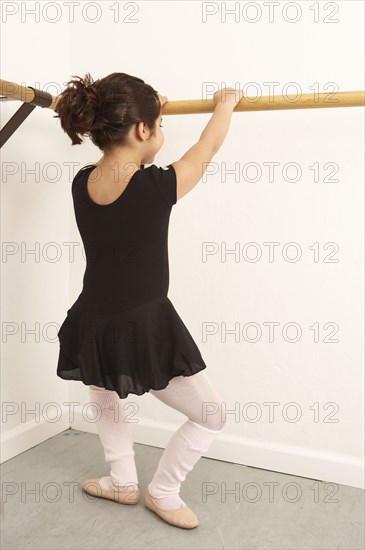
x=92 y=487
x=182 y=517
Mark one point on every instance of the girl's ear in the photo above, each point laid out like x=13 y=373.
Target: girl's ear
x=142 y=130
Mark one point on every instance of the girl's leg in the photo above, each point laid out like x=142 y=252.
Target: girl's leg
x=189 y=395
x=116 y=438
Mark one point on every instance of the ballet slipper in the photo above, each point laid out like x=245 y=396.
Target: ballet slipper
x=92 y=487
x=182 y=517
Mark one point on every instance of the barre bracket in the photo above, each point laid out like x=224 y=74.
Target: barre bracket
x=41 y=99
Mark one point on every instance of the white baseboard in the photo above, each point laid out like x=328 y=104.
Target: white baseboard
x=29 y=434
x=307 y=463
x=285 y=459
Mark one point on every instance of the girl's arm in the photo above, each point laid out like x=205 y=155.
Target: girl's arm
x=192 y=165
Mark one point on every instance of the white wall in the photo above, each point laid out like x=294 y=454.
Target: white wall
x=171 y=48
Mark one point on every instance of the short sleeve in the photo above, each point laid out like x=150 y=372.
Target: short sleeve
x=165 y=180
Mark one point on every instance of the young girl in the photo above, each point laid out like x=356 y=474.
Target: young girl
x=123 y=335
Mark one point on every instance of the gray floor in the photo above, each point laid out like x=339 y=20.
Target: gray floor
x=41 y=511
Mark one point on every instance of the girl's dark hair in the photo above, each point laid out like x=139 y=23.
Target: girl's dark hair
x=105 y=109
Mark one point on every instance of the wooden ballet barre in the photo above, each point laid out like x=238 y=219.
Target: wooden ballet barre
x=270 y=103
x=32 y=98
x=23 y=93
x=197 y=106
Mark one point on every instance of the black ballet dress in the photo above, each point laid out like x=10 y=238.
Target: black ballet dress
x=123 y=333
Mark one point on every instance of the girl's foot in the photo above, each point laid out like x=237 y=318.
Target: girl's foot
x=167 y=502
x=104 y=488
x=182 y=517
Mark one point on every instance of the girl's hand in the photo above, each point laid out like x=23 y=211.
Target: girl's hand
x=163 y=99
x=228 y=95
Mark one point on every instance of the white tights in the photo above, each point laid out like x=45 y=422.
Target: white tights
x=186 y=394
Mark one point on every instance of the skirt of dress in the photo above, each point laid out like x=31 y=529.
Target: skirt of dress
x=131 y=351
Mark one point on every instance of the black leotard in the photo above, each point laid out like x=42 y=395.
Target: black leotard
x=123 y=333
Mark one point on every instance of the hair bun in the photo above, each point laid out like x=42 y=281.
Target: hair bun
x=90 y=95
x=104 y=109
